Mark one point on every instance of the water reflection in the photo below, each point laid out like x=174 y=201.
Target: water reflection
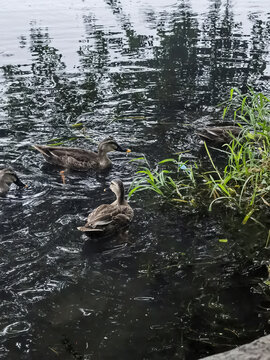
x=44 y=90
x=172 y=290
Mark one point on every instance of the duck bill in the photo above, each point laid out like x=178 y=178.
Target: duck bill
x=18 y=182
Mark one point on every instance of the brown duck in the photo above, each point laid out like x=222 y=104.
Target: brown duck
x=219 y=134
x=109 y=219
x=80 y=159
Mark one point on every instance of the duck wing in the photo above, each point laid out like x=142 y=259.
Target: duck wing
x=74 y=158
x=102 y=215
x=219 y=134
x=108 y=218
x=98 y=219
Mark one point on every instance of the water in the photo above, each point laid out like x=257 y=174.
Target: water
x=148 y=73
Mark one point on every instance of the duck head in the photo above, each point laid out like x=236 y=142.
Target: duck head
x=108 y=145
x=7 y=177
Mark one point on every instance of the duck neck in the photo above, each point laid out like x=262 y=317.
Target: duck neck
x=3 y=186
x=120 y=198
x=103 y=158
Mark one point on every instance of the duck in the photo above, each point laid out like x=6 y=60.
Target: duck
x=110 y=219
x=7 y=177
x=80 y=159
x=219 y=134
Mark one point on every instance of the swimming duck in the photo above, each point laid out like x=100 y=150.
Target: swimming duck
x=109 y=219
x=80 y=159
x=7 y=177
x=219 y=134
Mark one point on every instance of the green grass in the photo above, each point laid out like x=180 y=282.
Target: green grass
x=245 y=180
x=175 y=184
x=243 y=183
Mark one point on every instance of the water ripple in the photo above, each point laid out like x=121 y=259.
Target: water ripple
x=18 y=327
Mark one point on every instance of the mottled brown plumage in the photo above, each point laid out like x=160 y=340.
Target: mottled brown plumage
x=108 y=219
x=219 y=134
x=80 y=159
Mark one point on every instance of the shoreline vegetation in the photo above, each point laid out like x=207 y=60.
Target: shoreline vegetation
x=242 y=184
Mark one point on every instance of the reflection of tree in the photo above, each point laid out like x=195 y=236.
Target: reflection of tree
x=226 y=55
x=45 y=89
x=94 y=56
x=108 y=53
x=218 y=59
x=260 y=36
x=178 y=60
x=193 y=65
x=198 y=66
x=135 y=42
x=231 y=60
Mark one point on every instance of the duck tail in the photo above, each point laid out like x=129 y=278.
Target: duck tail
x=42 y=149
x=87 y=229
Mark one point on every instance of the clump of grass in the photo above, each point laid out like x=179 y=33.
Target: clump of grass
x=176 y=184
x=245 y=180
x=243 y=183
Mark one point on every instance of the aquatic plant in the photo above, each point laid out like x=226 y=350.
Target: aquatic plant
x=176 y=184
x=244 y=183
x=245 y=180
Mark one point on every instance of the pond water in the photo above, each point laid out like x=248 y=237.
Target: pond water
x=147 y=72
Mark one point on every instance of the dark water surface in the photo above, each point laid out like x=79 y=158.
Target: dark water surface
x=147 y=72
